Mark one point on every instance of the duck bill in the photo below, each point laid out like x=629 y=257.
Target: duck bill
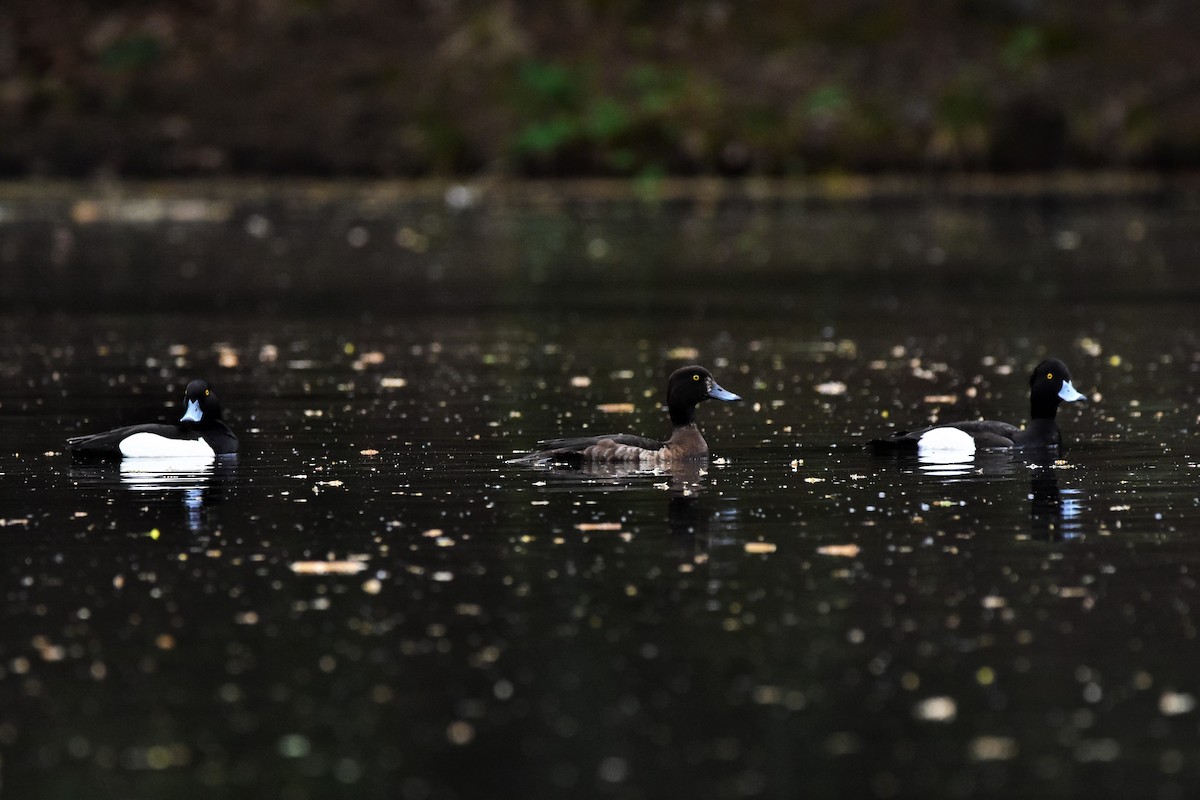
x=717 y=393
x=193 y=413
x=1069 y=393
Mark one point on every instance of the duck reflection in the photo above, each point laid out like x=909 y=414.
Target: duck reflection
x=197 y=482
x=682 y=478
x=946 y=464
x=1055 y=514
x=689 y=516
x=949 y=464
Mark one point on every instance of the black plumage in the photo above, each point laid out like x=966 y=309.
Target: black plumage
x=1049 y=386
x=201 y=423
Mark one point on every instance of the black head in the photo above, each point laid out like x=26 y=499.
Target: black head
x=687 y=388
x=1049 y=385
x=201 y=403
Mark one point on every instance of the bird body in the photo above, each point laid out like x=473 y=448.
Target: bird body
x=199 y=432
x=1049 y=385
x=686 y=389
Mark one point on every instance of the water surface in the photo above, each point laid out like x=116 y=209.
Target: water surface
x=370 y=601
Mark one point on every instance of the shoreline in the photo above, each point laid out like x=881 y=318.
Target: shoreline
x=216 y=199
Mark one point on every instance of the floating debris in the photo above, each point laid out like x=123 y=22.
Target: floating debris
x=936 y=709
x=992 y=748
x=1090 y=750
x=840 y=550
x=1090 y=346
x=327 y=567
x=368 y=359
x=598 y=526
x=581 y=381
x=759 y=547
x=616 y=408
x=831 y=388
x=1173 y=703
x=392 y=383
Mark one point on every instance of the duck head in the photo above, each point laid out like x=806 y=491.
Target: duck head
x=1050 y=385
x=202 y=403
x=687 y=388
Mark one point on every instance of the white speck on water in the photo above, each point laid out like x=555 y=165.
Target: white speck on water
x=613 y=769
x=992 y=748
x=1173 y=703
x=936 y=709
x=461 y=197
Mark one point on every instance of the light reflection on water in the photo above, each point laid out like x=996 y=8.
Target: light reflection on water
x=195 y=482
x=797 y=618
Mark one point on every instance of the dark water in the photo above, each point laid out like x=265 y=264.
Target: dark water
x=796 y=619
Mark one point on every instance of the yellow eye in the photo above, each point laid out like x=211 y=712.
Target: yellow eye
x=695 y=377
x=207 y=392
x=1049 y=376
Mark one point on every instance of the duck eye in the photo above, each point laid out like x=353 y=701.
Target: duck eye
x=1049 y=376
x=207 y=392
x=695 y=377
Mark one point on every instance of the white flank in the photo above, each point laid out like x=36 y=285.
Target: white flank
x=946 y=440
x=151 y=445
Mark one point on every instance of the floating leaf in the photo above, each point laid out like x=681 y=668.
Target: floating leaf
x=1173 y=703
x=936 y=709
x=992 y=748
x=839 y=550
x=831 y=388
x=327 y=567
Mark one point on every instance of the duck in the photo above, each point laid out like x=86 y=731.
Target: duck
x=199 y=433
x=687 y=387
x=1049 y=386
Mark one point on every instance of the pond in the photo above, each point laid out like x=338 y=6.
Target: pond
x=371 y=600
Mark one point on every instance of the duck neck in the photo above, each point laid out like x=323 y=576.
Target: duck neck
x=1043 y=431
x=1043 y=410
x=683 y=415
x=686 y=439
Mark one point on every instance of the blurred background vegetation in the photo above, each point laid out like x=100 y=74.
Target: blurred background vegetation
x=379 y=88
